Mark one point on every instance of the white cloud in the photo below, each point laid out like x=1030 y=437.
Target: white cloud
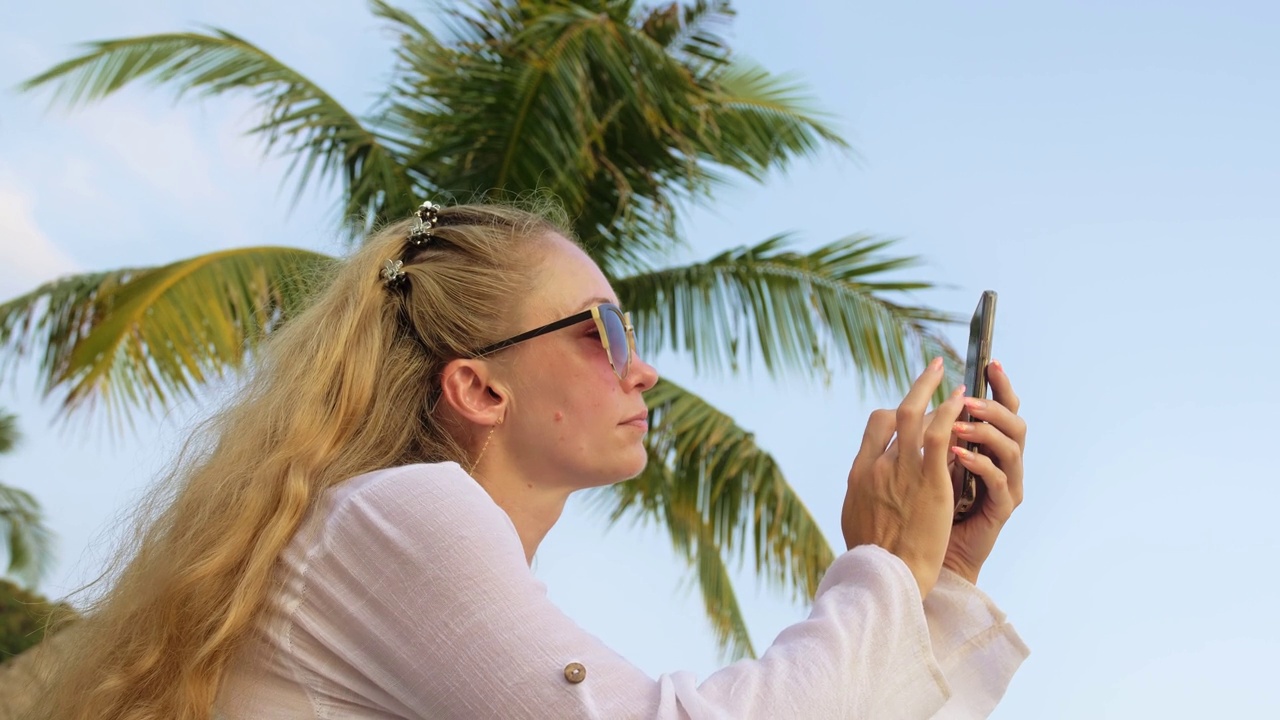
x=27 y=256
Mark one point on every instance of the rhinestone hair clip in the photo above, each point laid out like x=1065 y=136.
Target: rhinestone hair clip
x=392 y=273
x=428 y=217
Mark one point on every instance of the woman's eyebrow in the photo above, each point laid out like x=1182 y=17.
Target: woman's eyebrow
x=588 y=304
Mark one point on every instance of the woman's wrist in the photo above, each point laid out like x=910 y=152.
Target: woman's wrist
x=968 y=575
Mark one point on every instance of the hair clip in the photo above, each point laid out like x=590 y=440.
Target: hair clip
x=428 y=215
x=392 y=273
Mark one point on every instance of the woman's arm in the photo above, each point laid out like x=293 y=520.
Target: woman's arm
x=418 y=601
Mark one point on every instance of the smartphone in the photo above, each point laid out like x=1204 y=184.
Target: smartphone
x=968 y=488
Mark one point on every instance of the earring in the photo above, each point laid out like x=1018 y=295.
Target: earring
x=484 y=447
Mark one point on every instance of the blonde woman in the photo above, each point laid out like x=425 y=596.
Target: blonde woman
x=356 y=540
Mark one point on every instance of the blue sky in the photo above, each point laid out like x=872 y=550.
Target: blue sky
x=1110 y=168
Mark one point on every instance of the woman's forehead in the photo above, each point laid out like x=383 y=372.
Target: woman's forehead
x=570 y=282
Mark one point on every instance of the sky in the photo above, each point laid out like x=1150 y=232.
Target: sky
x=1110 y=168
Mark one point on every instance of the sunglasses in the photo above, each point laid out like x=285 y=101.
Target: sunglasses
x=616 y=335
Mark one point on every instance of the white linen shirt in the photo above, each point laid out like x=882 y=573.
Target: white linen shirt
x=406 y=594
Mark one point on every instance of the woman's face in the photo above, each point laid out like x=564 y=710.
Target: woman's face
x=570 y=414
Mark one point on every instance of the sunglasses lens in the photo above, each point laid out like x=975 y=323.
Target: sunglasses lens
x=619 y=350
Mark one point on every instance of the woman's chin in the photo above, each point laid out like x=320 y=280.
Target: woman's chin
x=630 y=467
x=637 y=469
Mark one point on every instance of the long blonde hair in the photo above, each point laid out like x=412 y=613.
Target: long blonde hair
x=348 y=386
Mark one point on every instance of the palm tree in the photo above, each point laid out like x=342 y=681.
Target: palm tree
x=625 y=114
x=23 y=534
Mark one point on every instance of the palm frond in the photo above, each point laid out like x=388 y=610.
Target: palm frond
x=720 y=600
x=133 y=338
x=8 y=432
x=647 y=498
x=794 y=311
x=591 y=104
x=690 y=31
x=757 y=122
x=711 y=485
x=324 y=140
x=24 y=535
x=933 y=345
x=730 y=482
x=51 y=320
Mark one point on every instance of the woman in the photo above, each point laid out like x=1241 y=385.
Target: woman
x=356 y=541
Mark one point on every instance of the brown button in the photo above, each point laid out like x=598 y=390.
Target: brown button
x=575 y=672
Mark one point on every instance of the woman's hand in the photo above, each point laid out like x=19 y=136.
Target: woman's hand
x=998 y=464
x=899 y=494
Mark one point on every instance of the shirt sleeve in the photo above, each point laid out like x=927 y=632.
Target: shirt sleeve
x=418 y=602
x=977 y=649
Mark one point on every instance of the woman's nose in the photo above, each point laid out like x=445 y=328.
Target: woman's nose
x=642 y=375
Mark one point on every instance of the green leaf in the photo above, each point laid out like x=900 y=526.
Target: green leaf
x=622 y=115
x=795 y=312
x=718 y=492
x=27 y=539
x=9 y=434
x=756 y=122
x=645 y=499
x=134 y=338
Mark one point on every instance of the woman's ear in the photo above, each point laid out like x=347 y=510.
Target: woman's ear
x=468 y=387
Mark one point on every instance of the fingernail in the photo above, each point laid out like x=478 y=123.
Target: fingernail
x=936 y=364
x=958 y=391
x=961 y=452
x=963 y=428
x=998 y=365
x=975 y=403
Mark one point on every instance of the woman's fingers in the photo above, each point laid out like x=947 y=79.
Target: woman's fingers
x=1000 y=500
x=1002 y=451
x=910 y=414
x=879 y=432
x=1002 y=448
x=928 y=420
x=937 y=435
x=1000 y=416
x=1002 y=387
